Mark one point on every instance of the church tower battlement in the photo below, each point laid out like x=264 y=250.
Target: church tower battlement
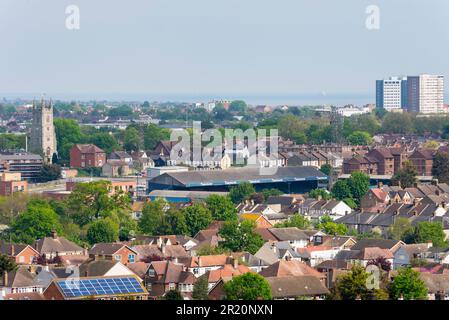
x=42 y=135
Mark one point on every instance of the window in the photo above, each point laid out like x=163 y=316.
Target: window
x=21 y=259
x=118 y=257
x=171 y=286
x=151 y=272
x=131 y=258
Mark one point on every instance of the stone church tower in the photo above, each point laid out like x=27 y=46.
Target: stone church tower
x=43 y=137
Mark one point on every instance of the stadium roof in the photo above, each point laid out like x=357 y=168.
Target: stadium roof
x=238 y=175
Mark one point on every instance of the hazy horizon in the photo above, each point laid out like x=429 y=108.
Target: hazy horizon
x=283 y=52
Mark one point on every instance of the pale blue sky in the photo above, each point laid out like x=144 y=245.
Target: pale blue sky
x=229 y=47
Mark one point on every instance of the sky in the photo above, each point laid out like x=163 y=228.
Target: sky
x=167 y=49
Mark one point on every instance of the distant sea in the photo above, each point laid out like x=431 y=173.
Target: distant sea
x=339 y=99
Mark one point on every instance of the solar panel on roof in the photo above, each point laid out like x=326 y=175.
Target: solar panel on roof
x=95 y=287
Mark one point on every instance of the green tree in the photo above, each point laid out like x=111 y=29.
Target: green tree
x=331 y=227
x=198 y=217
x=91 y=200
x=173 y=295
x=238 y=106
x=176 y=222
x=248 y=286
x=104 y=230
x=326 y=169
x=221 y=208
x=360 y=138
x=408 y=285
x=68 y=133
x=201 y=289
x=132 y=140
x=399 y=228
x=241 y=192
x=271 y=192
x=350 y=202
x=297 y=221
x=352 y=285
x=430 y=231
x=105 y=141
x=153 y=134
x=320 y=194
x=49 y=172
x=440 y=168
x=341 y=190
x=6 y=264
x=359 y=185
x=240 y=236
x=38 y=221
x=152 y=217
x=405 y=177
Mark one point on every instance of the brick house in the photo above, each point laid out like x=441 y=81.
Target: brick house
x=11 y=182
x=163 y=276
x=422 y=159
x=360 y=163
x=21 y=253
x=87 y=156
x=113 y=251
x=385 y=160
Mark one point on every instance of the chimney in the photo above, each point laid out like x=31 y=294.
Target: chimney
x=437 y=192
x=13 y=250
x=380 y=184
x=199 y=261
x=163 y=248
x=273 y=247
x=236 y=263
x=434 y=182
x=175 y=260
x=54 y=234
x=32 y=269
x=429 y=244
x=443 y=204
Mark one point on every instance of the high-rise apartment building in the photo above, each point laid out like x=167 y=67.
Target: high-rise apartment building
x=391 y=93
x=421 y=94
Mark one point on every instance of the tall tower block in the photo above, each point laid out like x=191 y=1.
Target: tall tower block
x=43 y=137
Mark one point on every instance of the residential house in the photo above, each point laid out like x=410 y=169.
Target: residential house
x=422 y=159
x=199 y=265
x=53 y=246
x=115 y=168
x=163 y=276
x=123 y=156
x=22 y=280
x=295 y=237
x=295 y=287
x=96 y=288
x=272 y=252
x=21 y=253
x=87 y=156
x=113 y=251
x=260 y=220
x=385 y=160
x=284 y=268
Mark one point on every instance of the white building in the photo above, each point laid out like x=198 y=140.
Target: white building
x=392 y=93
x=431 y=93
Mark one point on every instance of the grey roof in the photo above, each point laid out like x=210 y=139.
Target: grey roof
x=50 y=245
x=271 y=252
x=106 y=248
x=295 y=286
x=370 y=243
x=21 y=277
x=185 y=194
x=238 y=175
x=20 y=156
x=435 y=282
x=289 y=234
x=96 y=268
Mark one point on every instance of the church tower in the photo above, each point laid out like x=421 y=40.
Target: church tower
x=43 y=137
